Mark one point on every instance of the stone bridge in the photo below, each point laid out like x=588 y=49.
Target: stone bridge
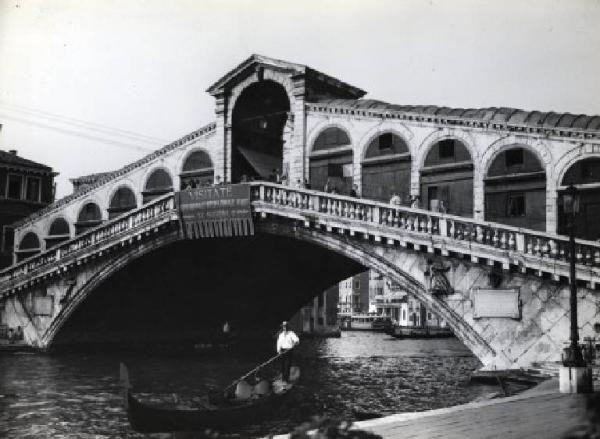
x=403 y=243
x=112 y=257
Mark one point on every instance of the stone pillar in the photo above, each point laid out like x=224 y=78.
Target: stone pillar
x=222 y=154
x=297 y=152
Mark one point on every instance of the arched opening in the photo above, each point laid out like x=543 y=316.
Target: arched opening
x=159 y=182
x=89 y=217
x=585 y=176
x=447 y=179
x=123 y=200
x=331 y=162
x=59 y=231
x=515 y=190
x=258 y=121
x=386 y=168
x=29 y=246
x=197 y=171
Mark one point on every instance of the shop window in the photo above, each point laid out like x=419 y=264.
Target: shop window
x=335 y=170
x=513 y=157
x=33 y=189
x=15 y=186
x=446 y=149
x=515 y=205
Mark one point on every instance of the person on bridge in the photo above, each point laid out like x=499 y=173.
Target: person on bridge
x=286 y=341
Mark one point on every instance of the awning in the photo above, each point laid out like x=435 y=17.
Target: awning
x=262 y=163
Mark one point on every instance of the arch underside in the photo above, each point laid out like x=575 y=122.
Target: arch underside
x=187 y=287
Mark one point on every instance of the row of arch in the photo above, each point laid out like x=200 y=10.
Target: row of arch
x=514 y=183
x=197 y=170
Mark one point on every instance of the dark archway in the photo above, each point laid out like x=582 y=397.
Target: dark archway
x=258 y=121
x=447 y=179
x=515 y=189
x=331 y=161
x=183 y=291
x=386 y=168
x=29 y=246
x=89 y=217
x=123 y=200
x=585 y=176
x=59 y=231
x=197 y=171
x=159 y=182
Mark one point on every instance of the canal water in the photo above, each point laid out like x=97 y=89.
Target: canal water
x=77 y=395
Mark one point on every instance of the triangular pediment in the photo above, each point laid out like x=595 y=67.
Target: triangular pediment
x=315 y=80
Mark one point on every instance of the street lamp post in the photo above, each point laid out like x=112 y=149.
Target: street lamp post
x=574 y=356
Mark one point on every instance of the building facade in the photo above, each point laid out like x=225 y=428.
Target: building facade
x=354 y=295
x=25 y=187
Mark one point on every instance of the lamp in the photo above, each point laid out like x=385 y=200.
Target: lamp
x=570 y=200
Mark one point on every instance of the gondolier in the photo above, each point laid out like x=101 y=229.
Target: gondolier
x=286 y=341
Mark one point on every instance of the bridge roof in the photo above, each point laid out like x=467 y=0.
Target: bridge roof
x=501 y=116
x=97 y=180
x=295 y=69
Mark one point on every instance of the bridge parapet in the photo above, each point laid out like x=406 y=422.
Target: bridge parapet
x=511 y=247
x=540 y=253
x=59 y=259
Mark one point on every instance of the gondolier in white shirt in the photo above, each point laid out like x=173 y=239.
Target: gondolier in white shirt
x=286 y=341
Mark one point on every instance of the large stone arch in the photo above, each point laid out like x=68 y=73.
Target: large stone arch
x=543 y=152
x=386 y=127
x=576 y=154
x=360 y=251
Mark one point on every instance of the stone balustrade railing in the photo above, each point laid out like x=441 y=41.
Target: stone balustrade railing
x=510 y=246
x=126 y=224
x=497 y=242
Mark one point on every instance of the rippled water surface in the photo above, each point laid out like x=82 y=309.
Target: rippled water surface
x=77 y=395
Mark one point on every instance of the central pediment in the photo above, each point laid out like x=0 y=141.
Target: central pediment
x=317 y=85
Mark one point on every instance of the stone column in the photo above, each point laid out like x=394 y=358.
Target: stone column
x=297 y=152
x=222 y=155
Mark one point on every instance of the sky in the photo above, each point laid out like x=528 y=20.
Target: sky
x=89 y=86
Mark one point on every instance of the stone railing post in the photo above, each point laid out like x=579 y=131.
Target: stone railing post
x=376 y=215
x=443 y=227
x=520 y=242
x=261 y=193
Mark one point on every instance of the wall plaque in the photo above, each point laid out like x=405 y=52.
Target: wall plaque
x=504 y=303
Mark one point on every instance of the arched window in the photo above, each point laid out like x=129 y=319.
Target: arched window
x=585 y=176
x=29 y=246
x=197 y=170
x=332 y=137
x=515 y=189
x=89 y=216
x=158 y=183
x=122 y=201
x=59 y=231
x=447 y=179
x=386 y=168
x=331 y=162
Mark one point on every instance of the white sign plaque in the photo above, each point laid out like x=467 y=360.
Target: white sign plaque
x=496 y=303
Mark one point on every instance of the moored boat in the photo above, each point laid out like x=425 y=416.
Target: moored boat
x=418 y=332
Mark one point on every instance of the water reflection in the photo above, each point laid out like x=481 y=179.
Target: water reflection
x=78 y=395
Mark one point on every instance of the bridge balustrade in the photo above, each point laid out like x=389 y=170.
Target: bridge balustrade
x=517 y=244
x=117 y=228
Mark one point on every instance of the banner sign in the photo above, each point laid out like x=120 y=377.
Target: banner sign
x=215 y=211
x=496 y=303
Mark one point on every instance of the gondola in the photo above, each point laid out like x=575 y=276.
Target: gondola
x=221 y=412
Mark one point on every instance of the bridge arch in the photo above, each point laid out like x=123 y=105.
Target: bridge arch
x=122 y=199
x=89 y=215
x=385 y=166
x=156 y=182
x=515 y=187
x=357 y=251
x=196 y=168
x=331 y=159
x=259 y=129
x=29 y=245
x=58 y=230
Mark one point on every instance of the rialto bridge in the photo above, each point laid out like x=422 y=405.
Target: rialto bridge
x=114 y=259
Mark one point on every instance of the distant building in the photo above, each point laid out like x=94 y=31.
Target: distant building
x=319 y=316
x=354 y=295
x=25 y=186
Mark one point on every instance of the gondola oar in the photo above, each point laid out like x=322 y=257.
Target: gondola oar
x=260 y=366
